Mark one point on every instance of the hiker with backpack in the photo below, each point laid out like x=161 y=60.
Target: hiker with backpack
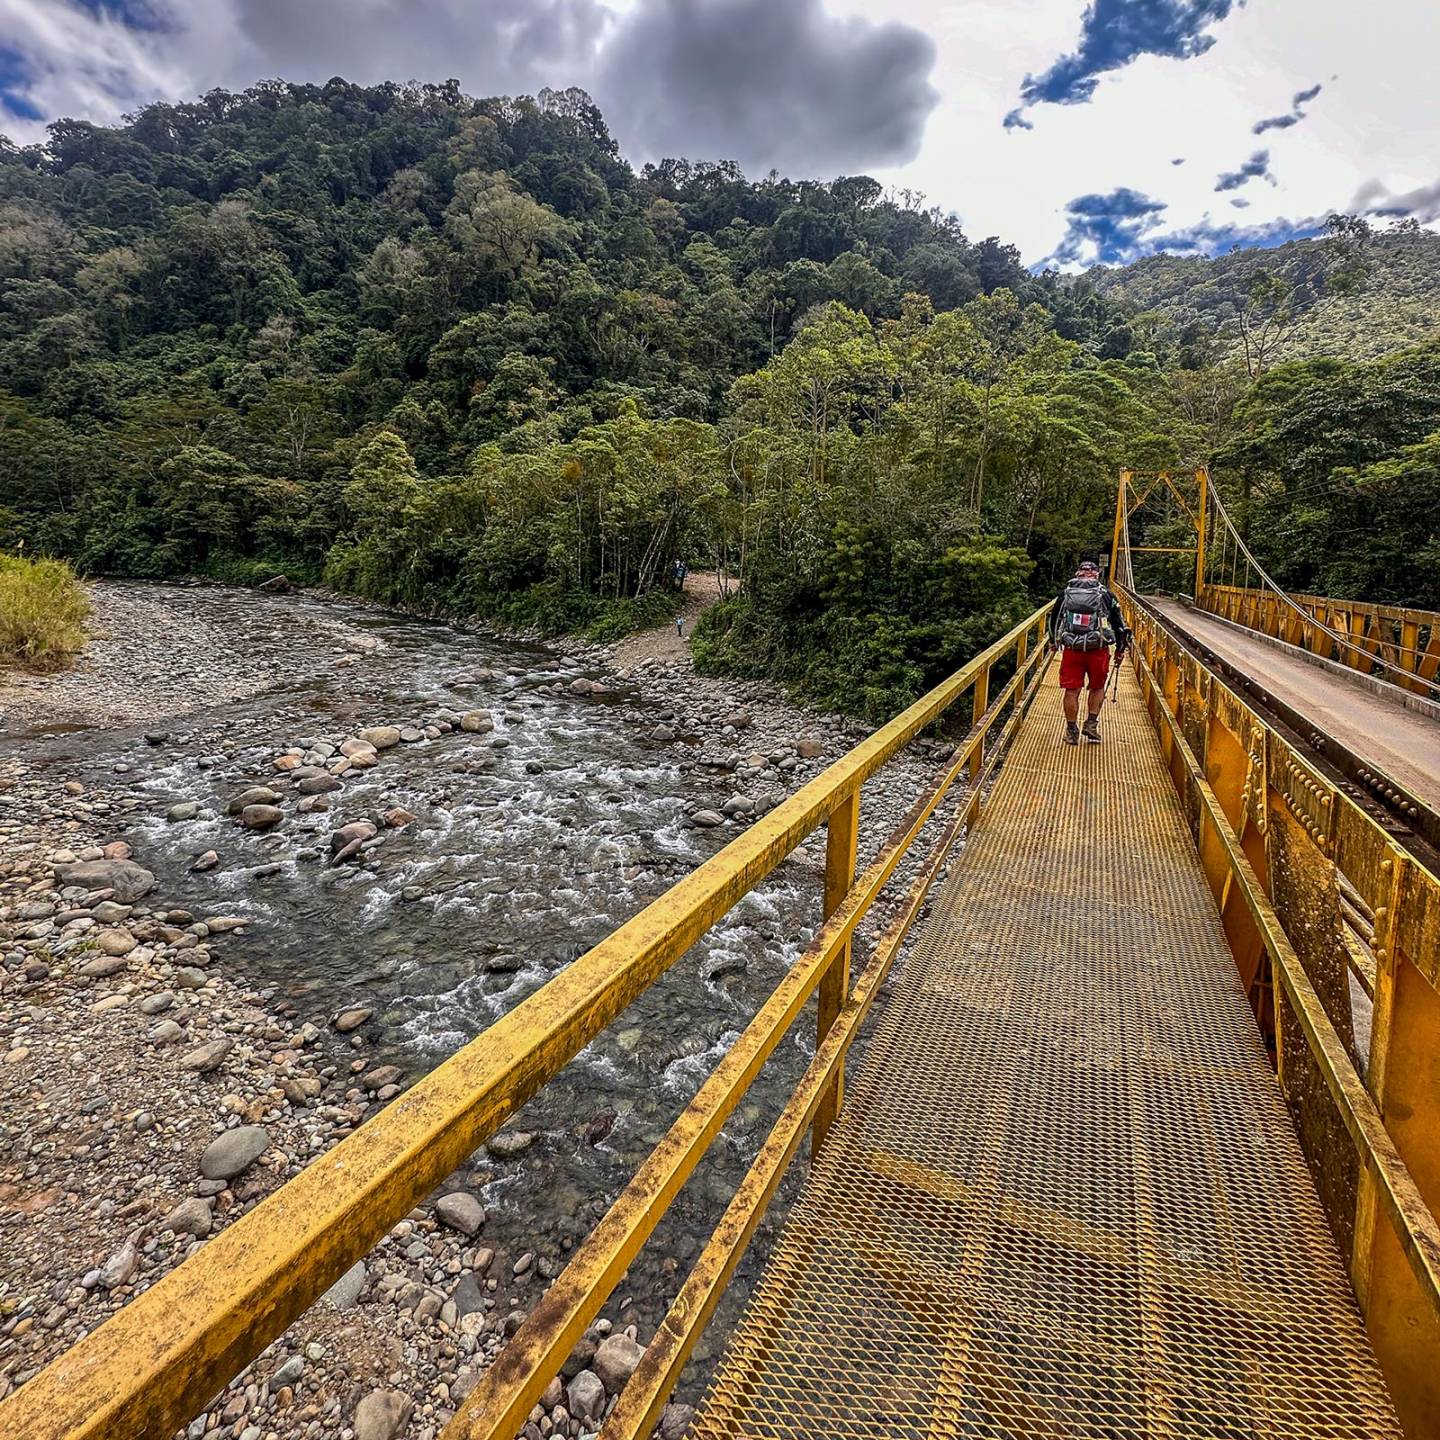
x=1084 y=624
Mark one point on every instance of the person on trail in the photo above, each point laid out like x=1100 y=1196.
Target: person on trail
x=1084 y=624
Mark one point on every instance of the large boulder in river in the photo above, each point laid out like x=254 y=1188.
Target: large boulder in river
x=255 y=795
x=382 y=737
x=128 y=880
x=356 y=830
x=261 y=817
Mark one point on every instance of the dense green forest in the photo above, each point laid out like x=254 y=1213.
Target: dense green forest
x=458 y=354
x=1185 y=300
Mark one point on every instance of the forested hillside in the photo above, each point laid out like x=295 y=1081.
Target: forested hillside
x=1391 y=301
x=457 y=354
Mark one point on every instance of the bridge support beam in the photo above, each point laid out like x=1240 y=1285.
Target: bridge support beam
x=842 y=839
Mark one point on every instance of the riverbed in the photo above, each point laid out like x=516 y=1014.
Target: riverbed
x=588 y=793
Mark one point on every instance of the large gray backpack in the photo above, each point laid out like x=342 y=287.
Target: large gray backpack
x=1085 y=617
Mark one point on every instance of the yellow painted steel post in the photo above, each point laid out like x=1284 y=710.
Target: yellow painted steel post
x=980 y=698
x=1121 y=497
x=842 y=838
x=1404 y=1079
x=1202 y=476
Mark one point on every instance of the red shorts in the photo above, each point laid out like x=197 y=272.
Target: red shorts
x=1077 y=666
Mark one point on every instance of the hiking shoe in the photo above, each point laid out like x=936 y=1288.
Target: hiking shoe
x=1072 y=733
x=1091 y=730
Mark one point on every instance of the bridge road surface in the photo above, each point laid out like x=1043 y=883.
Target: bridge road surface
x=1063 y=1198
x=1392 y=739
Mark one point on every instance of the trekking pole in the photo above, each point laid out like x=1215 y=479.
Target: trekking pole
x=1115 y=686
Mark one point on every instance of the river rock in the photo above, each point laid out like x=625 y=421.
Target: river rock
x=381 y=1415
x=234 y=1152
x=129 y=881
x=165 y=1033
x=255 y=795
x=461 y=1212
x=209 y=1056
x=319 y=785
x=116 y=942
x=275 y=585
x=510 y=1143
x=381 y=1076
x=356 y=830
x=102 y=966
x=261 y=817
x=355 y=746
x=717 y=967
x=193 y=1216
x=287 y=1374
x=348 y=1020
x=477 y=722
x=208 y=861
x=120 y=1268
x=345 y=1292
x=399 y=818
x=382 y=737
x=582 y=686
x=809 y=747
x=615 y=1360
x=738 y=805
x=675 y=1421
x=586 y=1396
x=707 y=819
x=185 y=810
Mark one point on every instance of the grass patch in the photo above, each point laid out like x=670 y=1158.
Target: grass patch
x=43 y=609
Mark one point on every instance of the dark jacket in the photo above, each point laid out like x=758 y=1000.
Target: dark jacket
x=1123 y=636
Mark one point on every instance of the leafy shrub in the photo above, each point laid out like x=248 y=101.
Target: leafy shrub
x=43 y=609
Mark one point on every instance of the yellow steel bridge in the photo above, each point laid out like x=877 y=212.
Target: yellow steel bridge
x=1146 y=1137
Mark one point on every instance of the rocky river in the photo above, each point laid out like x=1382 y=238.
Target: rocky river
x=266 y=859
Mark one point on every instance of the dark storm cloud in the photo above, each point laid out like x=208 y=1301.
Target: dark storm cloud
x=783 y=85
x=499 y=46
x=1296 y=115
x=1255 y=167
x=1115 y=32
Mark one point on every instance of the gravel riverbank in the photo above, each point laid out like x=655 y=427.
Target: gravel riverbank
x=153 y=1088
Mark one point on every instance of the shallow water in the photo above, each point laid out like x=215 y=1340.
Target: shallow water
x=525 y=853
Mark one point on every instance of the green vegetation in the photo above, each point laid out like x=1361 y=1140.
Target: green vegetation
x=455 y=354
x=1191 y=310
x=43 y=609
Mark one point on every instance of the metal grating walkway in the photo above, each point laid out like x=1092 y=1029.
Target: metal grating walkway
x=1063 y=1198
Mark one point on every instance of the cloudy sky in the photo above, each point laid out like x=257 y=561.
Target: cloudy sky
x=1076 y=129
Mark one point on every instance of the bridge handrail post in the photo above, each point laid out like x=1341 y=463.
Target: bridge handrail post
x=842 y=841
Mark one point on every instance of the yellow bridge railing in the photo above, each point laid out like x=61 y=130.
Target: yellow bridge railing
x=1312 y=891
x=1403 y=642
x=160 y=1360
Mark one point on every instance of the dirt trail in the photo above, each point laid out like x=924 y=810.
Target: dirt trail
x=703 y=588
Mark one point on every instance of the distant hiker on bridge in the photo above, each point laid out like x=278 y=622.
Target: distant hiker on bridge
x=1084 y=624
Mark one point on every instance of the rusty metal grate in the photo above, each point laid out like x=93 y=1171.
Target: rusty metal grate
x=1063 y=1198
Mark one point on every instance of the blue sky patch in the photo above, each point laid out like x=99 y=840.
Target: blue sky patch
x=1115 y=32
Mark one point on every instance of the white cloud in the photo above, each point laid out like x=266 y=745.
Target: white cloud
x=1377 y=120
